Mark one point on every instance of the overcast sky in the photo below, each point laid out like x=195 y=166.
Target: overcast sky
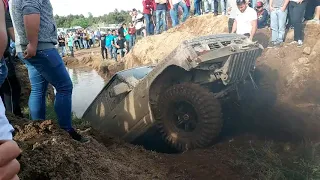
x=96 y=7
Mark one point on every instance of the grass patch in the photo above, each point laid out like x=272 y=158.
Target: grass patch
x=51 y=115
x=274 y=161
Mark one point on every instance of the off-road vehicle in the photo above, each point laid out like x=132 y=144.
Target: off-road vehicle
x=180 y=95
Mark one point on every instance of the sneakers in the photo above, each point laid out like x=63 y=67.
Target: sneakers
x=273 y=44
x=76 y=136
x=300 y=43
x=294 y=42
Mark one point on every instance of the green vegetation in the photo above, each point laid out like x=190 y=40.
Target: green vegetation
x=115 y=17
x=51 y=115
x=279 y=161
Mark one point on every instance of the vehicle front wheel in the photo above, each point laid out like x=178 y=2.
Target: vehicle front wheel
x=190 y=117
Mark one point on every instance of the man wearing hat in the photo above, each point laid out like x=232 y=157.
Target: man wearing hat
x=263 y=15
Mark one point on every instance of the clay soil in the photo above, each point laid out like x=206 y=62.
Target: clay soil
x=277 y=141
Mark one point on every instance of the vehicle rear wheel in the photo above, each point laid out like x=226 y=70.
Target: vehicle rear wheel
x=190 y=116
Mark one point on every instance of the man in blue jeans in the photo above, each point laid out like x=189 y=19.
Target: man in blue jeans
x=174 y=4
x=36 y=37
x=161 y=15
x=278 y=15
x=215 y=6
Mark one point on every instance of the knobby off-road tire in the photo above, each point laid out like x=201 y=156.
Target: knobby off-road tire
x=199 y=109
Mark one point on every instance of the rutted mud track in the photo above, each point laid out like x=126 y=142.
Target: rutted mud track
x=273 y=138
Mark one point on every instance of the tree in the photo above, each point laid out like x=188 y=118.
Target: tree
x=115 y=17
x=80 y=22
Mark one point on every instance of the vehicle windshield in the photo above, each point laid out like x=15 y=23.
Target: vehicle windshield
x=138 y=73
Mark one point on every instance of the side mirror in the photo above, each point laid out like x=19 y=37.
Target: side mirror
x=120 y=89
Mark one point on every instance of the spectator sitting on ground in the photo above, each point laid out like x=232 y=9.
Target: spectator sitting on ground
x=246 y=20
x=262 y=14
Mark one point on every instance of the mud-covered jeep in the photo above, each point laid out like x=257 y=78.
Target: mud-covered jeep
x=180 y=96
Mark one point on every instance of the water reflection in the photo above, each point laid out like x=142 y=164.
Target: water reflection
x=86 y=85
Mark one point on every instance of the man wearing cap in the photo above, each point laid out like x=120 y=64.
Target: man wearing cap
x=278 y=15
x=246 y=20
x=262 y=15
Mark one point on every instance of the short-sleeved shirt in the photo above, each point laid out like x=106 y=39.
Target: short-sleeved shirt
x=176 y=2
x=244 y=20
x=63 y=41
x=70 y=41
x=277 y=3
x=121 y=42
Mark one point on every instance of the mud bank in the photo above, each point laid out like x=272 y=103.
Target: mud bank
x=92 y=58
x=49 y=153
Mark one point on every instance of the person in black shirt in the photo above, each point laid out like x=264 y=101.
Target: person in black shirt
x=62 y=45
x=121 y=46
x=103 y=45
x=121 y=30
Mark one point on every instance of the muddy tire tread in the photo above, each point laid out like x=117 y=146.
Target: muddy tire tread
x=208 y=109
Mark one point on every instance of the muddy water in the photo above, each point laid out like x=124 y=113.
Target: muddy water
x=87 y=83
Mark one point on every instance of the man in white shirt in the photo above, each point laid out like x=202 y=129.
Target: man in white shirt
x=246 y=20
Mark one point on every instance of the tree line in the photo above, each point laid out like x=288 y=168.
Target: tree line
x=115 y=17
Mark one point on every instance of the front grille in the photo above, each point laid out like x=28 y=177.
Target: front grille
x=226 y=43
x=214 y=46
x=240 y=65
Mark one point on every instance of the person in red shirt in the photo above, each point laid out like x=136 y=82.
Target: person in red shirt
x=132 y=32
x=148 y=7
x=188 y=4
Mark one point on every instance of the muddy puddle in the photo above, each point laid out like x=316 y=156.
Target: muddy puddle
x=87 y=84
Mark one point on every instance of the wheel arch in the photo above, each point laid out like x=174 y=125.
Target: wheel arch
x=171 y=75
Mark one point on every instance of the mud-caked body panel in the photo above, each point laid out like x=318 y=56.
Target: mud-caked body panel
x=227 y=58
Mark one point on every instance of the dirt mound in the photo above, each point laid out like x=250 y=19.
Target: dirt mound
x=153 y=49
x=293 y=74
x=49 y=153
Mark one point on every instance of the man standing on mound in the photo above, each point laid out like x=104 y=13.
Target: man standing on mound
x=36 y=37
x=246 y=20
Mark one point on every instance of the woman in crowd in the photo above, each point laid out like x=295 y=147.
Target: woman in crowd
x=297 y=10
x=132 y=32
